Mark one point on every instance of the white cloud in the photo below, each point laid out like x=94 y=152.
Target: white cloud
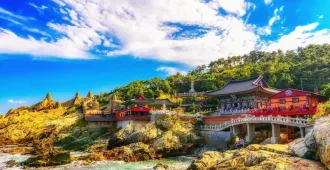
x=237 y=7
x=321 y=16
x=10 y=14
x=10 y=43
x=24 y=27
x=300 y=37
x=40 y=9
x=142 y=32
x=11 y=20
x=16 y=101
x=171 y=70
x=149 y=30
x=276 y=16
x=35 y=30
x=59 y=2
x=268 y=2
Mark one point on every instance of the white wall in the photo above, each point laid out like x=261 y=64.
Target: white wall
x=124 y=123
x=137 y=124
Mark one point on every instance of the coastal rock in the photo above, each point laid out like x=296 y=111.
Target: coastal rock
x=164 y=141
x=11 y=163
x=253 y=147
x=160 y=166
x=322 y=138
x=206 y=160
x=300 y=149
x=310 y=141
x=129 y=153
x=120 y=138
x=251 y=160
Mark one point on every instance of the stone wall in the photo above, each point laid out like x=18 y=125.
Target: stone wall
x=216 y=140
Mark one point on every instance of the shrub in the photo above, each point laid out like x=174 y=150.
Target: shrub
x=79 y=144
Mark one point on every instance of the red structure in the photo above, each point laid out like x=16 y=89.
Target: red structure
x=290 y=102
x=136 y=113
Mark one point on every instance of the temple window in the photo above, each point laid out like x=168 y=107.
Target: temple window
x=244 y=105
x=251 y=104
x=282 y=101
x=295 y=100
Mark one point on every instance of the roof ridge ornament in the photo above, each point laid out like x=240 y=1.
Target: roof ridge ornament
x=256 y=82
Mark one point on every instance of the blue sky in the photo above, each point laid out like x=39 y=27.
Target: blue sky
x=65 y=46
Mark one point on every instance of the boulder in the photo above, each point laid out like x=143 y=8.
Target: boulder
x=253 y=147
x=11 y=163
x=321 y=132
x=300 y=149
x=251 y=160
x=160 y=166
x=310 y=141
x=129 y=153
x=206 y=160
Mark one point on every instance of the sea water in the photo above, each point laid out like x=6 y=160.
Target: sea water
x=174 y=163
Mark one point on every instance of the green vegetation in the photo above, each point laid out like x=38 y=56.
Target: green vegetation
x=309 y=65
x=322 y=110
x=81 y=137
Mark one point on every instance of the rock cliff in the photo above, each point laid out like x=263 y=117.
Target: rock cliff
x=316 y=144
x=252 y=158
x=170 y=136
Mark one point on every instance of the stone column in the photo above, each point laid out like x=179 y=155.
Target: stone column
x=302 y=132
x=275 y=132
x=235 y=130
x=250 y=132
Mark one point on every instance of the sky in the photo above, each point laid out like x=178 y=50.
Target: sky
x=69 y=46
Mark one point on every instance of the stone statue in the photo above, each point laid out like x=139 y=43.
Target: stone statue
x=192 y=89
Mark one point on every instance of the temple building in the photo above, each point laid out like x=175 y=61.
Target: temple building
x=136 y=116
x=294 y=99
x=241 y=95
x=150 y=103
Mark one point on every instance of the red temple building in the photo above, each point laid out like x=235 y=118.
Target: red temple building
x=291 y=102
x=243 y=94
x=137 y=115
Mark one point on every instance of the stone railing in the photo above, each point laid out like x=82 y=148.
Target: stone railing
x=230 y=112
x=298 y=122
x=189 y=94
x=170 y=112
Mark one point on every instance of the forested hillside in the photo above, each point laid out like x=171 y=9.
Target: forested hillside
x=307 y=67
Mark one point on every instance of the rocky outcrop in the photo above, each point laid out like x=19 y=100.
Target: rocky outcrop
x=77 y=99
x=90 y=95
x=58 y=105
x=251 y=160
x=95 y=105
x=47 y=103
x=160 y=166
x=170 y=139
x=316 y=144
x=321 y=133
x=130 y=153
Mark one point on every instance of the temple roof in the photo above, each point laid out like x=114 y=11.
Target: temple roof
x=162 y=101
x=243 y=86
x=142 y=100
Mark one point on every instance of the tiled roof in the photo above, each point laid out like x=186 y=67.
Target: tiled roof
x=241 y=86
